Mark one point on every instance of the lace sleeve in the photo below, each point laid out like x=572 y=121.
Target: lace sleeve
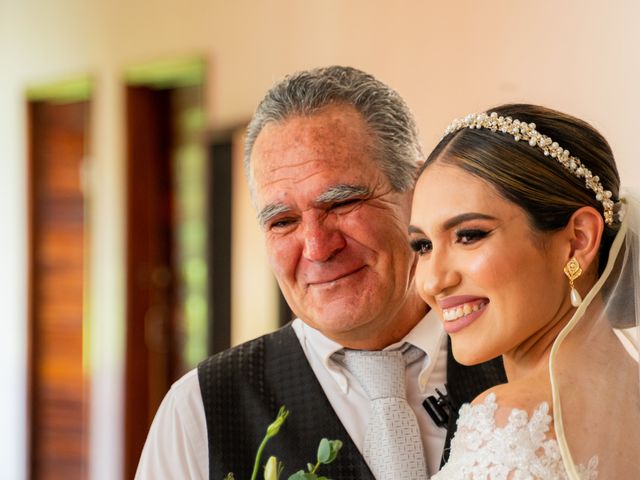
x=521 y=449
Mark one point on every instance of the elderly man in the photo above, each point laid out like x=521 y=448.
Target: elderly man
x=330 y=157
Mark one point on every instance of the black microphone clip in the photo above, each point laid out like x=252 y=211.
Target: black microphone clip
x=439 y=409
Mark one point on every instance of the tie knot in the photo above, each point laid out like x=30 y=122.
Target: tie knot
x=380 y=373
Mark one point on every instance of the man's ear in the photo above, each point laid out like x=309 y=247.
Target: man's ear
x=585 y=229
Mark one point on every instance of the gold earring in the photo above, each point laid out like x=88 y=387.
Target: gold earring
x=572 y=270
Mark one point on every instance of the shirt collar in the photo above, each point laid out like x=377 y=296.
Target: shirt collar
x=427 y=335
x=324 y=348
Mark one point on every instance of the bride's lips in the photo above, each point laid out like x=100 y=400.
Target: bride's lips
x=461 y=311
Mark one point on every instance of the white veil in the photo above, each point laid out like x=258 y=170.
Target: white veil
x=594 y=370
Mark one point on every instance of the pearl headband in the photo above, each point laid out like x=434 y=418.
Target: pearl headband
x=527 y=131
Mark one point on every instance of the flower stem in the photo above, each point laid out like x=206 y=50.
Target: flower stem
x=256 y=464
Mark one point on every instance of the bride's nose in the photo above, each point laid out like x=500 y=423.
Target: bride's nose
x=436 y=274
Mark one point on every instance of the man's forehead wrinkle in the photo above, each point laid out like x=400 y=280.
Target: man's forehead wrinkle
x=296 y=164
x=288 y=173
x=293 y=179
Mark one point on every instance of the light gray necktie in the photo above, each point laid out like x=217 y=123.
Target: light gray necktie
x=392 y=445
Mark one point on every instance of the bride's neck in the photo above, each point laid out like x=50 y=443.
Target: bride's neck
x=530 y=357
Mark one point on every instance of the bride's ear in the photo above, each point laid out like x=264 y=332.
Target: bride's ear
x=585 y=232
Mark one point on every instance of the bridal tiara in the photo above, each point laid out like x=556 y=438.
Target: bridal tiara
x=527 y=131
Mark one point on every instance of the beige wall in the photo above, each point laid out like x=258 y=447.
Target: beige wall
x=445 y=58
x=254 y=291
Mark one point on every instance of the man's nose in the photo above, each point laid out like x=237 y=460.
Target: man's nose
x=436 y=275
x=321 y=240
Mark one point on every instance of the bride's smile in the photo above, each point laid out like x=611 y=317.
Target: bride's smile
x=458 y=317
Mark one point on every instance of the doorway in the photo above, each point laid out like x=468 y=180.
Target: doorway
x=58 y=131
x=166 y=243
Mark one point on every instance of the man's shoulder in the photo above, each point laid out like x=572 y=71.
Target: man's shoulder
x=184 y=391
x=184 y=384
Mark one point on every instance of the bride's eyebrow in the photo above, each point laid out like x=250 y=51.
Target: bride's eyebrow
x=455 y=221
x=465 y=217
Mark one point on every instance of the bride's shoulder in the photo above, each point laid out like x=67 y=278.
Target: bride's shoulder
x=507 y=432
x=513 y=403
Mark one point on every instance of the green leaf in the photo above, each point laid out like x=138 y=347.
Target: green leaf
x=335 y=445
x=310 y=466
x=328 y=450
x=324 y=451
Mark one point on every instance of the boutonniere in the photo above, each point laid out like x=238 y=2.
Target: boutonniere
x=327 y=453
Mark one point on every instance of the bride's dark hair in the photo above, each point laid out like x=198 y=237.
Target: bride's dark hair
x=539 y=184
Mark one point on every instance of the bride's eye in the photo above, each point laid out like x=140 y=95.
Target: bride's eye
x=469 y=236
x=421 y=246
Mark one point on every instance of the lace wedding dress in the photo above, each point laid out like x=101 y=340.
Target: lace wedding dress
x=520 y=450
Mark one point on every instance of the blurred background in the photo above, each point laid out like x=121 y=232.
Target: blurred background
x=129 y=249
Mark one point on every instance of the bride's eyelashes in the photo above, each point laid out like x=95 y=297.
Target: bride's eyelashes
x=421 y=246
x=468 y=236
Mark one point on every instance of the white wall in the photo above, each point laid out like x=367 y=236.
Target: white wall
x=12 y=274
x=445 y=58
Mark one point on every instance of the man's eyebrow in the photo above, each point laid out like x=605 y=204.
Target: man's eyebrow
x=338 y=193
x=458 y=219
x=270 y=211
x=335 y=193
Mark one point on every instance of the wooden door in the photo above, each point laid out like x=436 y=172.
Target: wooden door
x=58 y=387
x=150 y=349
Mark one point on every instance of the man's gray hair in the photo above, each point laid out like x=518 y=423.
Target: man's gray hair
x=396 y=145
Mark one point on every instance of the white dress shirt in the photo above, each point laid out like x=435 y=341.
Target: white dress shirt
x=177 y=445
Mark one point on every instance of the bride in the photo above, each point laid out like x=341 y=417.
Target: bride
x=526 y=250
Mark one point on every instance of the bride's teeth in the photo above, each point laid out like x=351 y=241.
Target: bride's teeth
x=457 y=312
